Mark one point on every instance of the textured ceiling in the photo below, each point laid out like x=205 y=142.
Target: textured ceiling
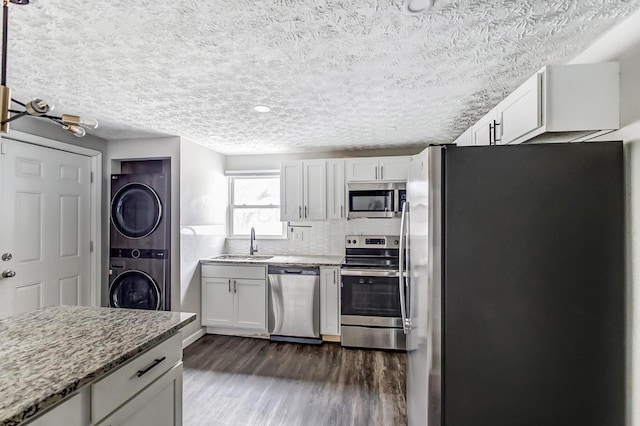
x=337 y=74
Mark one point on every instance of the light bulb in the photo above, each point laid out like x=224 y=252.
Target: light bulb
x=89 y=124
x=76 y=130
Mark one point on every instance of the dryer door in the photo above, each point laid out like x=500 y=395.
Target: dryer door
x=134 y=289
x=136 y=210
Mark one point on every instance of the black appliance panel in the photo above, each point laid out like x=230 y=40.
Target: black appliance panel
x=136 y=210
x=370 y=296
x=533 y=305
x=135 y=289
x=371 y=201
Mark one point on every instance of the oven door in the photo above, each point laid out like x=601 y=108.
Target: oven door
x=370 y=298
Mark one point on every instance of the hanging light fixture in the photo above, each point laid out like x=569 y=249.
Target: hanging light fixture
x=36 y=107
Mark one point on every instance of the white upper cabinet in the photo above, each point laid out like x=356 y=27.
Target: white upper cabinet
x=315 y=189
x=361 y=169
x=291 y=191
x=560 y=103
x=483 y=131
x=521 y=112
x=387 y=169
x=335 y=190
x=303 y=190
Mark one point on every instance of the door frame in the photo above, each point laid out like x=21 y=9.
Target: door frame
x=95 y=200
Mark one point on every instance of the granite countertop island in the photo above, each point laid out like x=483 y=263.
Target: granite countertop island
x=46 y=355
x=321 y=260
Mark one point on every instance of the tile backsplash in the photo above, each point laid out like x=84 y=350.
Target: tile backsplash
x=317 y=238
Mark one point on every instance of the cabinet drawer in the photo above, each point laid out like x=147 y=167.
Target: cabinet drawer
x=119 y=386
x=223 y=271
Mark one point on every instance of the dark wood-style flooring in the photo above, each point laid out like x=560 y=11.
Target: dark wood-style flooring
x=242 y=381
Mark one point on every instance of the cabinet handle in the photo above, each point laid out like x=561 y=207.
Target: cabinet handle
x=341 y=212
x=495 y=134
x=235 y=286
x=305 y=212
x=490 y=133
x=334 y=277
x=299 y=212
x=229 y=285
x=376 y=172
x=381 y=172
x=153 y=364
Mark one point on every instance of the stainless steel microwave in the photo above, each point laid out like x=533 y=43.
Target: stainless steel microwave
x=376 y=200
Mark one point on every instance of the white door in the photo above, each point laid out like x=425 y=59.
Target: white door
x=315 y=190
x=521 y=112
x=291 y=191
x=45 y=230
x=329 y=301
x=217 y=302
x=394 y=168
x=251 y=302
x=483 y=130
x=361 y=169
x=335 y=190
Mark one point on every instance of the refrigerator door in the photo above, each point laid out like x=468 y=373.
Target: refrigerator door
x=424 y=288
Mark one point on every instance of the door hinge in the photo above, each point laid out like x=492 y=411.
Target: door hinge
x=90 y=246
x=91 y=177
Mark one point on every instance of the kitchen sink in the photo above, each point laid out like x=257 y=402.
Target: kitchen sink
x=241 y=257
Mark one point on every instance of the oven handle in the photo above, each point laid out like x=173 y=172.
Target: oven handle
x=401 y=274
x=367 y=273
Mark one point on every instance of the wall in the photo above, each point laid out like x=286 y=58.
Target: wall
x=312 y=237
x=203 y=206
x=138 y=149
x=623 y=44
x=272 y=161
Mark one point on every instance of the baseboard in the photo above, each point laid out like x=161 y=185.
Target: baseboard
x=195 y=336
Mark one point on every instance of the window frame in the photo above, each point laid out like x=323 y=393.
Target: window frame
x=232 y=206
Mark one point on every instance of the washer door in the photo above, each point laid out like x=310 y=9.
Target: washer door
x=134 y=290
x=136 y=210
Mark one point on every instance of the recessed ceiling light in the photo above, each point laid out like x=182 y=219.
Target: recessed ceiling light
x=415 y=7
x=262 y=108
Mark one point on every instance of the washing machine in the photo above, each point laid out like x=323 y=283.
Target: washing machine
x=138 y=279
x=140 y=211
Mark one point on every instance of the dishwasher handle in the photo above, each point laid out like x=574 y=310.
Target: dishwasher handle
x=293 y=270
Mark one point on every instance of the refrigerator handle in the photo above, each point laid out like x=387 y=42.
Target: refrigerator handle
x=401 y=285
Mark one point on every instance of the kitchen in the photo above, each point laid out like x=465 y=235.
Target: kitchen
x=200 y=222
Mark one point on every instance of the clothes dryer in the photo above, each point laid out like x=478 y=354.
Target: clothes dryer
x=140 y=211
x=139 y=279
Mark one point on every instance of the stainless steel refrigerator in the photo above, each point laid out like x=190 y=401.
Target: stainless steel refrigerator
x=514 y=309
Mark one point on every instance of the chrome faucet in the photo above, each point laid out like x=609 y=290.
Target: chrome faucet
x=253 y=249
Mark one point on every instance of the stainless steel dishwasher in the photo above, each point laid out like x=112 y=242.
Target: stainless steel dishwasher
x=294 y=304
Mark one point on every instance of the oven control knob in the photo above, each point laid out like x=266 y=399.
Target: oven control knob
x=348 y=241
x=354 y=241
x=395 y=242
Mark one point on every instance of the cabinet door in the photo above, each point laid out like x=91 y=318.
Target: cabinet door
x=217 y=302
x=251 y=303
x=330 y=301
x=335 y=190
x=521 y=112
x=291 y=191
x=160 y=404
x=394 y=168
x=361 y=169
x=482 y=132
x=315 y=190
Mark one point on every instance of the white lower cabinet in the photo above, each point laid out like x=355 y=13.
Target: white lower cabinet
x=159 y=404
x=72 y=412
x=330 y=301
x=234 y=297
x=145 y=391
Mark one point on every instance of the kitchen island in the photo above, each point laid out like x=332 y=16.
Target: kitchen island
x=51 y=355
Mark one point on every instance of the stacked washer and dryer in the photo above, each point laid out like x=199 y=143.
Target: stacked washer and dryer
x=139 y=267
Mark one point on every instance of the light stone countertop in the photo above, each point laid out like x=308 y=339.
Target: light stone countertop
x=48 y=354
x=321 y=260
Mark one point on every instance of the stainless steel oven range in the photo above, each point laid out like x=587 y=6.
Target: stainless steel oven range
x=370 y=298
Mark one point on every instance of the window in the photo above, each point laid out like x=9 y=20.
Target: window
x=255 y=202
